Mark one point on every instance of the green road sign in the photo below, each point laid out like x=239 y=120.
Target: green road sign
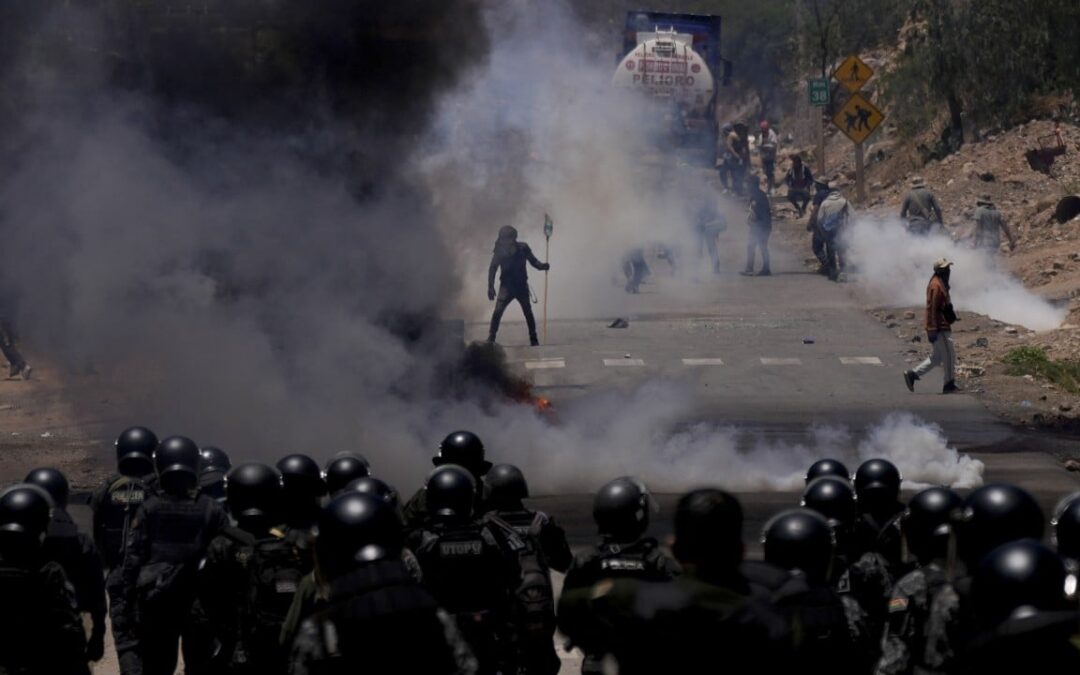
x=819 y=91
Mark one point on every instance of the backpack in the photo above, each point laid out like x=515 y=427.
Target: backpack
x=122 y=498
x=274 y=570
x=533 y=598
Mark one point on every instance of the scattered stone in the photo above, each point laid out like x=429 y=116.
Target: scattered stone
x=909 y=315
x=619 y=323
x=1010 y=330
x=1064 y=407
x=987 y=177
x=1029 y=378
x=890 y=317
x=916 y=338
x=983 y=342
x=1072 y=465
x=892 y=324
x=1058 y=265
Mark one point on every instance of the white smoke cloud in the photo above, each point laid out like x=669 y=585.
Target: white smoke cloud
x=894 y=267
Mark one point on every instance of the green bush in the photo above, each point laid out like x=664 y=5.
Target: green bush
x=1034 y=361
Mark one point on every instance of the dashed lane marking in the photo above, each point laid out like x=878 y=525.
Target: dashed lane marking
x=703 y=362
x=615 y=363
x=860 y=360
x=544 y=364
x=768 y=361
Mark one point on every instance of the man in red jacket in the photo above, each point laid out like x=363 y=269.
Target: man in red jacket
x=939 y=320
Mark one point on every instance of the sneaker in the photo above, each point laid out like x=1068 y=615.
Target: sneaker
x=25 y=371
x=765 y=273
x=533 y=342
x=909 y=380
x=950 y=388
x=747 y=273
x=13 y=370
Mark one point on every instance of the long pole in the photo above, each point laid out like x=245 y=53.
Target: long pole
x=547 y=255
x=860 y=177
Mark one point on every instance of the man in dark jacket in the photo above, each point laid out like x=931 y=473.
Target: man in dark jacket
x=511 y=256
x=939 y=320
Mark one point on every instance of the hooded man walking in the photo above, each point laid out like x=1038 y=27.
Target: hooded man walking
x=939 y=320
x=511 y=255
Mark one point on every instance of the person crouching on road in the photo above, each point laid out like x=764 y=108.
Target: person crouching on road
x=511 y=255
x=759 y=218
x=939 y=320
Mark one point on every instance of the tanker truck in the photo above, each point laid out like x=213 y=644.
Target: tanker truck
x=673 y=60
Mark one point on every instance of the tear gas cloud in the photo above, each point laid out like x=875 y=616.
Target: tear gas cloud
x=894 y=267
x=242 y=268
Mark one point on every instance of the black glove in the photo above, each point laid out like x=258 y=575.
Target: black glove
x=491 y=294
x=95 y=645
x=544 y=267
x=932 y=336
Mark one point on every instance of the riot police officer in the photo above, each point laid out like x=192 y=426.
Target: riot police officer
x=461 y=448
x=114 y=505
x=1066 y=524
x=545 y=548
x=41 y=632
x=877 y=486
x=250 y=575
x=1023 y=617
x=622 y=510
x=343 y=469
x=470 y=569
x=832 y=631
x=378 y=618
x=213 y=466
x=927 y=527
x=302 y=491
x=76 y=553
x=169 y=536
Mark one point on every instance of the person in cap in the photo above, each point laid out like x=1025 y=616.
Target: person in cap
x=830 y=220
x=920 y=208
x=989 y=224
x=940 y=317
x=511 y=257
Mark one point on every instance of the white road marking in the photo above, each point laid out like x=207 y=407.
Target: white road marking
x=624 y=362
x=768 y=361
x=544 y=364
x=860 y=360
x=703 y=362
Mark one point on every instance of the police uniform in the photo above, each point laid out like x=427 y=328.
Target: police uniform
x=379 y=620
x=921 y=610
x=114 y=505
x=76 y=553
x=471 y=575
x=169 y=537
x=41 y=632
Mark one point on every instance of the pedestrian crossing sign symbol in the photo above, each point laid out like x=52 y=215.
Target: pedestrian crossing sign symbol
x=853 y=73
x=858 y=118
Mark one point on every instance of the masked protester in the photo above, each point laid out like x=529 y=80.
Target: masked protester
x=940 y=317
x=511 y=257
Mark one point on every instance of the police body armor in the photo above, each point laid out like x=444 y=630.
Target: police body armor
x=820 y=626
x=81 y=563
x=40 y=628
x=379 y=620
x=122 y=496
x=641 y=559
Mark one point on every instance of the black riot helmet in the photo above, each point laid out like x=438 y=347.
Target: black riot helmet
x=463 y=448
x=928 y=521
x=377 y=488
x=833 y=498
x=1066 y=524
x=1019 y=580
x=253 y=493
x=53 y=482
x=877 y=485
x=994 y=515
x=799 y=539
x=708 y=532
x=213 y=459
x=356 y=528
x=622 y=508
x=450 y=493
x=176 y=461
x=135 y=448
x=25 y=512
x=343 y=469
x=827 y=467
x=301 y=477
x=505 y=487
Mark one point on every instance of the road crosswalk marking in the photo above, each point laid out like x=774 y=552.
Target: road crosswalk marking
x=770 y=361
x=703 y=362
x=544 y=364
x=860 y=360
x=623 y=362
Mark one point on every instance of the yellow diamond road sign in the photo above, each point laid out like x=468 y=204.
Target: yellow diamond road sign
x=853 y=73
x=858 y=118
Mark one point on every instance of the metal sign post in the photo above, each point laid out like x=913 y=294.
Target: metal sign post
x=549 y=227
x=858 y=117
